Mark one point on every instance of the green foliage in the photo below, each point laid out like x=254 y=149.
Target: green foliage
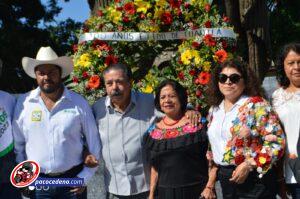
x=25 y=26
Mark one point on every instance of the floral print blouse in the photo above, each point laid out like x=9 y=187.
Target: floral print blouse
x=256 y=133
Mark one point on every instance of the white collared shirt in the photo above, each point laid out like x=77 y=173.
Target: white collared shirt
x=55 y=138
x=219 y=128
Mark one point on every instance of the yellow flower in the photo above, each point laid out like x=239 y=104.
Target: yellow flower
x=196 y=56
x=84 y=60
x=98 y=53
x=143 y=6
x=158 y=13
x=206 y=66
x=262 y=160
x=186 y=56
x=188 y=16
x=154 y=28
x=161 y=3
x=114 y=15
x=260 y=111
x=148 y=89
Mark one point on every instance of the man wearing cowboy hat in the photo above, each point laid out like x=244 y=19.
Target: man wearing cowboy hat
x=52 y=123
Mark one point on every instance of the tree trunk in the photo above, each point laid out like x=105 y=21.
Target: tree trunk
x=96 y=4
x=251 y=22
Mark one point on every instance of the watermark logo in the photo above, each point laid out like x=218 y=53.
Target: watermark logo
x=25 y=173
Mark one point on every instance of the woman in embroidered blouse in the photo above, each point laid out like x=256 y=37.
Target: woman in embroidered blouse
x=286 y=101
x=244 y=133
x=177 y=149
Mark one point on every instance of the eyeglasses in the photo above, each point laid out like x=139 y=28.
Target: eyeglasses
x=233 y=78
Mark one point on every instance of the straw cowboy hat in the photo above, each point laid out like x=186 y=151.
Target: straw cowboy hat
x=46 y=55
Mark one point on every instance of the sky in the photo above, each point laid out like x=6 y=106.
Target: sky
x=74 y=9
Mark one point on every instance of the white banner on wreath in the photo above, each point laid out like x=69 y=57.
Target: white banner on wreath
x=145 y=36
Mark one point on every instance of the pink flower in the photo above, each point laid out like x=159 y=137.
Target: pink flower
x=156 y=134
x=189 y=129
x=271 y=138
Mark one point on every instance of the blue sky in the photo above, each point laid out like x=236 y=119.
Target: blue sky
x=74 y=9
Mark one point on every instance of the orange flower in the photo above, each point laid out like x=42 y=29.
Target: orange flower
x=94 y=82
x=209 y=40
x=203 y=78
x=221 y=55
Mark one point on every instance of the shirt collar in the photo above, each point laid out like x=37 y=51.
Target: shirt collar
x=35 y=94
x=239 y=103
x=133 y=100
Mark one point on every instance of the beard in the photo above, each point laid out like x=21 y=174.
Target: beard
x=116 y=93
x=51 y=88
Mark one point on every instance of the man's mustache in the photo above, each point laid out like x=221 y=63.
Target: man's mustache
x=116 y=93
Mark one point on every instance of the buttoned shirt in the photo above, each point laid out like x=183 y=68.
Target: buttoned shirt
x=219 y=128
x=287 y=105
x=55 y=139
x=127 y=171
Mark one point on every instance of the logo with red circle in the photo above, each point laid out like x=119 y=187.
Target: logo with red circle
x=25 y=173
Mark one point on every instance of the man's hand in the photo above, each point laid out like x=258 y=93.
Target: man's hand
x=193 y=116
x=240 y=174
x=90 y=161
x=208 y=193
x=78 y=190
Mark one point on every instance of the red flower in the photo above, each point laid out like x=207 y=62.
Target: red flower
x=175 y=3
x=142 y=16
x=75 y=80
x=186 y=5
x=126 y=19
x=262 y=159
x=192 y=72
x=129 y=8
x=198 y=93
x=222 y=55
x=100 y=45
x=207 y=7
x=207 y=24
x=167 y=18
x=239 y=159
x=181 y=75
x=85 y=28
x=111 y=59
x=94 y=82
x=119 y=8
x=225 y=19
x=85 y=75
x=117 y=1
x=239 y=142
x=99 y=13
x=195 y=44
x=209 y=40
x=203 y=78
x=171 y=134
x=256 y=99
x=75 y=48
x=224 y=44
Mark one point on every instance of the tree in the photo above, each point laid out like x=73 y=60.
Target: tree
x=25 y=26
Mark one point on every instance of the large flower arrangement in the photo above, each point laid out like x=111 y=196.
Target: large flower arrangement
x=192 y=60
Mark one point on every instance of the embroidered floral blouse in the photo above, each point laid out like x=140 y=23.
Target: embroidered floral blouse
x=256 y=133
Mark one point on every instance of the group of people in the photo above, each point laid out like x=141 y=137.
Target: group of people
x=155 y=147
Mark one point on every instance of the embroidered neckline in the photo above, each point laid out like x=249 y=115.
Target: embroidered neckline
x=159 y=134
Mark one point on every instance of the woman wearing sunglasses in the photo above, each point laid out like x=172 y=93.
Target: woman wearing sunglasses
x=286 y=101
x=244 y=133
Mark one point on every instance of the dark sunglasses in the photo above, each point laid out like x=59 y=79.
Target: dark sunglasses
x=233 y=78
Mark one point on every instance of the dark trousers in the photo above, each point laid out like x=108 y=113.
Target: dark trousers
x=253 y=187
x=47 y=192
x=294 y=190
x=9 y=191
x=143 y=195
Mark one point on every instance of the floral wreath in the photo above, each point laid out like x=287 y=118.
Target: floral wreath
x=192 y=59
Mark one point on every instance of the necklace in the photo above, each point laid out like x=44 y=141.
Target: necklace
x=170 y=124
